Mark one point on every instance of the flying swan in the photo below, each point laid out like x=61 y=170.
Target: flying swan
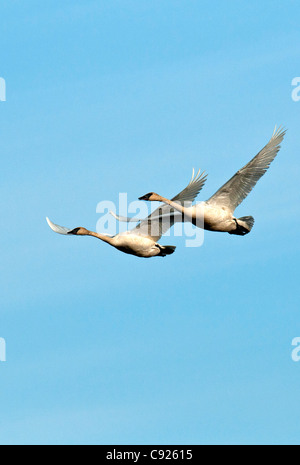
x=217 y=213
x=142 y=241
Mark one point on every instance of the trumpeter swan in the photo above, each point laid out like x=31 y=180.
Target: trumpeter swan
x=142 y=240
x=216 y=214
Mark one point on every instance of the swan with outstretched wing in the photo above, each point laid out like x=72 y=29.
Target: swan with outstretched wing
x=217 y=213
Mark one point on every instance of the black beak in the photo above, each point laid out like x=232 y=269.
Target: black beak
x=145 y=197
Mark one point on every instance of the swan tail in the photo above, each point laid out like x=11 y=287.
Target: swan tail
x=247 y=222
x=244 y=225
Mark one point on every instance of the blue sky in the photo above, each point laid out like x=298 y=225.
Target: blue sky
x=128 y=96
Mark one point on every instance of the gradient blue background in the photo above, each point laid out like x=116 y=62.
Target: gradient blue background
x=127 y=96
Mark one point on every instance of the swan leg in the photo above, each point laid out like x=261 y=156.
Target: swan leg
x=165 y=250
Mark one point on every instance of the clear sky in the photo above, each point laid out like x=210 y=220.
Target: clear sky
x=128 y=96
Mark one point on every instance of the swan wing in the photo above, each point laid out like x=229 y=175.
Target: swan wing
x=127 y=219
x=154 y=228
x=124 y=219
x=58 y=229
x=241 y=184
x=190 y=192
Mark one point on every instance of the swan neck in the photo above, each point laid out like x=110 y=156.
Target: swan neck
x=102 y=237
x=175 y=205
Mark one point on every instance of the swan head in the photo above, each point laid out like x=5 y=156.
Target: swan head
x=151 y=197
x=79 y=232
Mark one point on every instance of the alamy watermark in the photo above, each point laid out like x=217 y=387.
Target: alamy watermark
x=2 y=90
x=2 y=350
x=296 y=90
x=157 y=222
x=296 y=351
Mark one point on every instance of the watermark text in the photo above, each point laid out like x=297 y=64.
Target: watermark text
x=2 y=90
x=2 y=350
x=296 y=351
x=154 y=223
x=296 y=90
